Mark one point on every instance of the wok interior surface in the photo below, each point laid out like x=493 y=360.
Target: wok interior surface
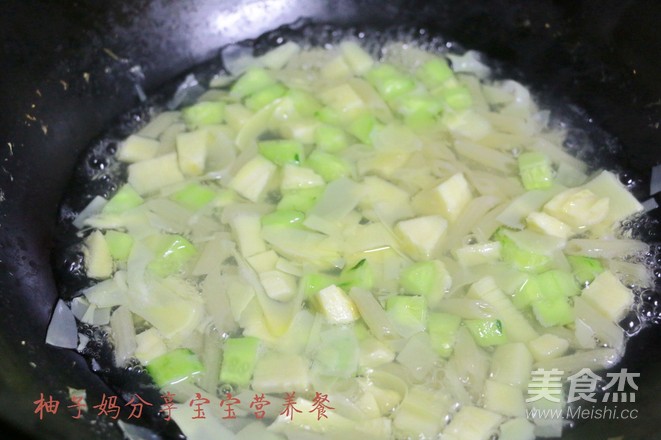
x=68 y=72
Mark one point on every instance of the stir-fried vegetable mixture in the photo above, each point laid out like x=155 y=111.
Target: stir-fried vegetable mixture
x=402 y=235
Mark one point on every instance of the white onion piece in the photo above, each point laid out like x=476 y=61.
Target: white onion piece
x=650 y=204
x=94 y=207
x=655 y=181
x=469 y=63
x=62 y=331
x=187 y=92
x=238 y=58
x=83 y=341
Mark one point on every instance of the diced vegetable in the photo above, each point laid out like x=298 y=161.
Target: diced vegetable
x=336 y=305
x=295 y=178
x=442 y=328
x=475 y=254
x=98 y=258
x=517 y=429
x=486 y=332
x=194 y=196
x=515 y=326
x=608 y=295
x=426 y=278
x=171 y=252
x=504 y=399
x=282 y=152
x=123 y=200
x=250 y=82
x=150 y=175
x=251 y=180
x=434 y=72
x=283 y=217
x=137 y=148
x=358 y=275
x=578 y=207
x=521 y=259
x=423 y=234
x=356 y=57
x=546 y=224
x=557 y=284
x=553 y=311
x=420 y=413
x=239 y=360
x=511 y=364
x=174 y=366
x=622 y=203
x=472 y=423
x=389 y=82
x=204 y=113
x=547 y=346
x=535 y=170
x=449 y=198
x=328 y=166
x=585 y=268
x=278 y=285
x=362 y=127
x=300 y=199
x=281 y=373
x=119 y=244
x=331 y=139
x=408 y=313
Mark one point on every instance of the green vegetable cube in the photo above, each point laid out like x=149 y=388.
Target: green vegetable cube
x=119 y=244
x=409 y=312
x=585 y=269
x=265 y=96
x=194 y=196
x=329 y=115
x=204 y=113
x=553 y=311
x=486 y=332
x=328 y=166
x=283 y=217
x=282 y=151
x=434 y=72
x=528 y=292
x=302 y=199
x=330 y=139
x=557 y=284
x=535 y=170
x=415 y=105
x=304 y=103
x=442 y=328
x=239 y=360
x=359 y=275
x=123 y=200
x=362 y=127
x=172 y=253
x=250 y=82
x=390 y=82
x=420 y=278
x=174 y=366
x=521 y=259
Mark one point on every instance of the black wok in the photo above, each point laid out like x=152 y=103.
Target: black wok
x=65 y=75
